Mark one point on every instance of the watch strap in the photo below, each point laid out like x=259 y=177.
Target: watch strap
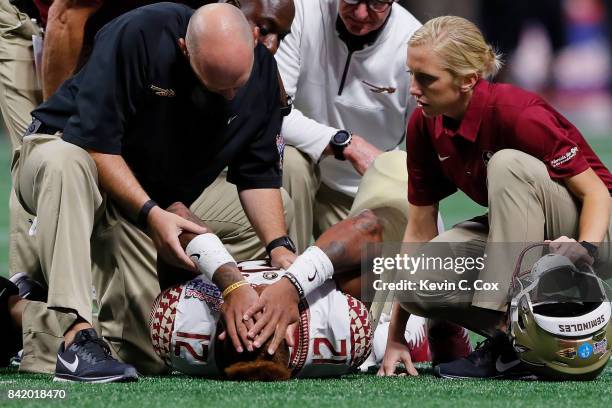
x=284 y=241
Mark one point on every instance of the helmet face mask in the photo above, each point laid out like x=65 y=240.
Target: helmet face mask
x=560 y=318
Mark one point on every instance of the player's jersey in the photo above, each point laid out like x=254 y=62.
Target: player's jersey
x=333 y=336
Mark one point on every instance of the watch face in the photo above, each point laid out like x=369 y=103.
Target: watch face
x=341 y=137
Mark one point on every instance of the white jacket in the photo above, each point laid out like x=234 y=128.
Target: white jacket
x=312 y=59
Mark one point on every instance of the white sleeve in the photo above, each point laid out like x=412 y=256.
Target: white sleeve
x=307 y=135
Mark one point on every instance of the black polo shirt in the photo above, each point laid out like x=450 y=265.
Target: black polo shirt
x=138 y=97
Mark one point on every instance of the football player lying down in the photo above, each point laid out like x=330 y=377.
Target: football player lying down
x=332 y=334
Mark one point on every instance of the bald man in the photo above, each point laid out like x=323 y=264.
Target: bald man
x=168 y=99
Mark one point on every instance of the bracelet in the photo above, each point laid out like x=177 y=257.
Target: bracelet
x=233 y=287
x=143 y=214
x=295 y=284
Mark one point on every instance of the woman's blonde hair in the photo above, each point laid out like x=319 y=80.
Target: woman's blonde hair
x=460 y=45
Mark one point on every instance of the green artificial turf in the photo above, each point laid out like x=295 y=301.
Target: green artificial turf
x=359 y=390
x=351 y=391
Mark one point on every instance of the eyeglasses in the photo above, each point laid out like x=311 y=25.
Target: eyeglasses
x=377 y=6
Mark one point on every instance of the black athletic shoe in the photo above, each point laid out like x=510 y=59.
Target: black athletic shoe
x=88 y=359
x=493 y=358
x=29 y=288
x=10 y=340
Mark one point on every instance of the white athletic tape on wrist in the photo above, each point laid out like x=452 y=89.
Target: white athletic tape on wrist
x=311 y=269
x=208 y=252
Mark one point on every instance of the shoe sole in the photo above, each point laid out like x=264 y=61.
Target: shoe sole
x=518 y=376
x=95 y=380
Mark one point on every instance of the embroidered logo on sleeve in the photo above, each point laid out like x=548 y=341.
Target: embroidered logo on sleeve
x=168 y=93
x=565 y=158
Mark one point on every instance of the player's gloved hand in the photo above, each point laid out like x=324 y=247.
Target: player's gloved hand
x=281 y=257
x=361 y=154
x=397 y=351
x=233 y=311
x=572 y=249
x=278 y=304
x=164 y=230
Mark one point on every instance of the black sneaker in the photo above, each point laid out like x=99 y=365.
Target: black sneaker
x=29 y=288
x=493 y=358
x=10 y=341
x=88 y=359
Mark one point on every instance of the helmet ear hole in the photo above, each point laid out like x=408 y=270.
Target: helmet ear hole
x=521 y=321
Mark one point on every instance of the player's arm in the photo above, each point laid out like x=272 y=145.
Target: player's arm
x=264 y=209
x=422 y=227
x=64 y=40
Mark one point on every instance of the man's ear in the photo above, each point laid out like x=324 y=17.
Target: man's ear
x=255 y=35
x=183 y=46
x=468 y=82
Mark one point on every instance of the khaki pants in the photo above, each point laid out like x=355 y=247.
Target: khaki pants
x=84 y=240
x=383 y=189
x=317 y=206
x=525 y=206
x=19 y=95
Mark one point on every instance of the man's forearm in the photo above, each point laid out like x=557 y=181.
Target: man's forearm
x=64 y=40
x=264 y=209
x=119 y=182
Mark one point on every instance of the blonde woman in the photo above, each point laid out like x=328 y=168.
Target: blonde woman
x=508 y=150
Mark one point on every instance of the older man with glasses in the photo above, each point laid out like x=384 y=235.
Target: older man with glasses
x=343 y=65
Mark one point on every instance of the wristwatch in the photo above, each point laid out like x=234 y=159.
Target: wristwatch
x=338 y=143
x=591 y=249
x=284 y=241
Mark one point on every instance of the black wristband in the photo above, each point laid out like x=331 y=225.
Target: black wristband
x=591 y=249
x=295 y=283
x=143 y=214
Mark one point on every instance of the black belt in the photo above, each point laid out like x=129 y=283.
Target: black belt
x=40 y=128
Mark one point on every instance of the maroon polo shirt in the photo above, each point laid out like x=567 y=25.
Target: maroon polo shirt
x=446 y=155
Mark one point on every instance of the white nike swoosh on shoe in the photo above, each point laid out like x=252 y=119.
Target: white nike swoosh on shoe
x=70 y=366
x=501 y=366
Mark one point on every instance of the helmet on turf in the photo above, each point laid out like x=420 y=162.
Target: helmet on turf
x=560 y=318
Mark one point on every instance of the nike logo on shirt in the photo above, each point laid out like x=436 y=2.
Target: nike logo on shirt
x=230 y=120
x=443 y=158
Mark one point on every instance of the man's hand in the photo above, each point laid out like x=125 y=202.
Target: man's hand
x=572 y=249
x=397 y=351
x=164 y=230
x=234 y=310
x=278 y=304
x=281 y=257
x=361 y=154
